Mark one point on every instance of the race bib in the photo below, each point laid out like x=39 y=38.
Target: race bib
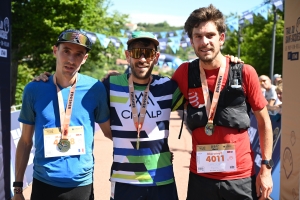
x=52 y=137
x=216 y=158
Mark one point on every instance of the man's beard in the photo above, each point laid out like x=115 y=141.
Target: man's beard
x=206 y=59
x=139 y=76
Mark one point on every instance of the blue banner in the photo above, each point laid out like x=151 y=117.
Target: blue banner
x=5 y=100
x=254 y=139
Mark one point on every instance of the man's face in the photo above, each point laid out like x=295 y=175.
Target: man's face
x=69 y=58
x=265 y=82
x=141 y=68
x=207 y=41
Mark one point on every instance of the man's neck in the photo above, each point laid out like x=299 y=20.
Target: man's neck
x=140 y=81
x=64 y=81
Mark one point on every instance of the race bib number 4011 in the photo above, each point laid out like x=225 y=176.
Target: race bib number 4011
x=216 y=158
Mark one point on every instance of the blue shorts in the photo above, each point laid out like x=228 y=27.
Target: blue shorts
x=123 y=191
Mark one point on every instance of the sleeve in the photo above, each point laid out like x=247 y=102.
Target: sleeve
x=27 y=114
x=177 y=98
x=252 y=88
x=102 y=110
x=273 y=93
x=107 y=88
x=181 y=77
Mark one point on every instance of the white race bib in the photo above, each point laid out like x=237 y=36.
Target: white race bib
x=52 y=137
x=216 y=158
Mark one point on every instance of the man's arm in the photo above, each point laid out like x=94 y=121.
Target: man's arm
x=274 y=108
x=105 y=127
x=271 y=102
x=264 y=183
x=23 y=152
x=273 y=96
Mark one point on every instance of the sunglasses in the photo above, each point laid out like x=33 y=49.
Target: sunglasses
x=138 y=52
x=75 y=37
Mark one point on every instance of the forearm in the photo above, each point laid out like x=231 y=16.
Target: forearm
x=265 y=134
x=105 y=127
x=271 y=102
x=22 y=157
x=274 y=108
x=23 y=151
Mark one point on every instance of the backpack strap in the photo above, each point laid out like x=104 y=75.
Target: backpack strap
x=194 y=74
x=236 y=75
x=193 y=82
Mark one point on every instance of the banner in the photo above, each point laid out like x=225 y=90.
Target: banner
x=5 y=60
x=16 y=130
x=254 y=140
x=290 y=144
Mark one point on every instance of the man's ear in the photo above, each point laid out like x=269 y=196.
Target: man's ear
x=85 y=58
x=54 y=50
x=222 y=39
x=191 y=41
x=127 y=54
x=156 y=57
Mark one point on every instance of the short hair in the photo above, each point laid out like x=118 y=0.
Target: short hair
x=205 y=14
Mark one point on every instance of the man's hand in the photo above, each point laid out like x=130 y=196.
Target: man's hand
x=264 y=183
x=18 y=197
x=234 y=59
x=43 y=76
x=110 y=73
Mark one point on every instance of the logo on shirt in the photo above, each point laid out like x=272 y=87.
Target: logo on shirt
x=150 y=113
x=196 y=98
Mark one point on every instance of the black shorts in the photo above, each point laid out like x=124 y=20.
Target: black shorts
x=123 y=191
x=201 y=188
x=41 y=190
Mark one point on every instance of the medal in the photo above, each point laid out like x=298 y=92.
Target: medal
x=63 y=145
x=209 y=129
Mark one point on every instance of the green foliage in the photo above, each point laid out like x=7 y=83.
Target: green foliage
x=164 y=26
x=256 y=45
x=24 y=76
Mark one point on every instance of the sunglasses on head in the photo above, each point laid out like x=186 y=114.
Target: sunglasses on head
x=138 y=52
x=75 y=37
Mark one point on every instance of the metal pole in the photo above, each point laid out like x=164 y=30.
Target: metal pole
x=273 y=44
x=239 y=42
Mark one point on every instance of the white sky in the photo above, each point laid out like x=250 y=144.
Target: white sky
x=175 y=12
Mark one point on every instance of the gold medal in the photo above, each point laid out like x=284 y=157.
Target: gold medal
x=63 y=145
x=209 y=129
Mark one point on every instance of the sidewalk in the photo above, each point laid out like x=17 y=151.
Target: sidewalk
x=103 y=160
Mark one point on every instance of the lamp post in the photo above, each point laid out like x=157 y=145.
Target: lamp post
x=273 y=43
x=240 y=40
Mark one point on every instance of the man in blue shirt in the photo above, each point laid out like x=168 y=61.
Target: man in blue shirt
x=61 y=114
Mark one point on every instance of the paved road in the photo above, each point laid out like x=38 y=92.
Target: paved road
x=103 y=160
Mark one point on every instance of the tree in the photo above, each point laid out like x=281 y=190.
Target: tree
x=256 y=45
x=36 y=25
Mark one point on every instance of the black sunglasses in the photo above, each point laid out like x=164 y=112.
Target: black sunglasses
x=138 y=52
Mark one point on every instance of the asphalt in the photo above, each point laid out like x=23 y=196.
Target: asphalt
x=103 y=160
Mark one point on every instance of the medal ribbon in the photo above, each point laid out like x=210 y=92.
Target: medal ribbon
x=65 y=116
x=138 y=120
x=211 y=106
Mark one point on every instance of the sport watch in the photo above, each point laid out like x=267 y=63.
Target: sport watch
x=268 y=163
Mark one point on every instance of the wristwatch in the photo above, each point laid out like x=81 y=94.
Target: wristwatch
x=268 y=163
